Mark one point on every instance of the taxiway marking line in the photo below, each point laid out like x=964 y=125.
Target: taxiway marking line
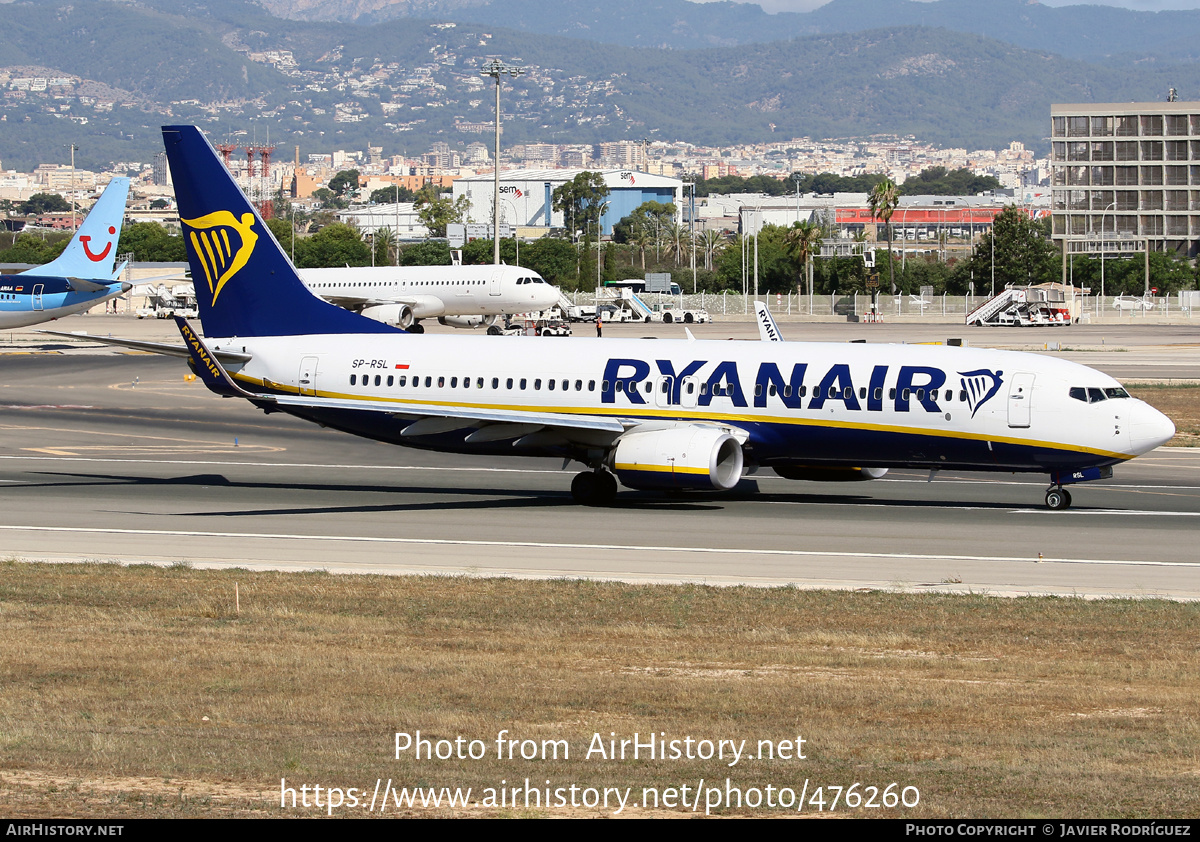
x=366 y=539
x=226 y=464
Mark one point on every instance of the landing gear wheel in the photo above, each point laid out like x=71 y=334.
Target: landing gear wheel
x=1058 y=499
x=416 y=327
x=594 y=488
x=495 y=330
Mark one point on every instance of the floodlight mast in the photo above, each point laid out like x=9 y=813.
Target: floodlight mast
x=496 y=68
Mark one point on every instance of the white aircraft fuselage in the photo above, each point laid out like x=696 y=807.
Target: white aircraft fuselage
x=813 y=404
x=404 y=295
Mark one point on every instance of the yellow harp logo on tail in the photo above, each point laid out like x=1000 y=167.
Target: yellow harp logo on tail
x=220 y=256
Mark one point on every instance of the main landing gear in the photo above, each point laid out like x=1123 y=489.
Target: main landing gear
x=1058 y=498
x=594 y=488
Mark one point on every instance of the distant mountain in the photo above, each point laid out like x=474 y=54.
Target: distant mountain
x=230 y=67
x=1091 y=33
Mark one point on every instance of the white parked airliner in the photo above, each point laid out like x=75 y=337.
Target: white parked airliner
x=665 y=414
x=458 y=296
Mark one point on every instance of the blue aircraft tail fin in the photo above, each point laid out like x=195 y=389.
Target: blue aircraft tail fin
x=245 y=285
x=92 y=253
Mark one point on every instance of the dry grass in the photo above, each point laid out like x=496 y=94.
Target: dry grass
x=141 y=692
x=1179 y=403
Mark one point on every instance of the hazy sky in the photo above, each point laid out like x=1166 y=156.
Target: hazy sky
x=1143 y=5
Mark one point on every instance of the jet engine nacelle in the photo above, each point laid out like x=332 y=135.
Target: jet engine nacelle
x=468 y=322
x=403 y=315
x=400 y=315
x=818 y=474
x=688 y=457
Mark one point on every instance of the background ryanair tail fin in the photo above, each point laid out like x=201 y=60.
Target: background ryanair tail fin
x=245 y=285
x=92 y=253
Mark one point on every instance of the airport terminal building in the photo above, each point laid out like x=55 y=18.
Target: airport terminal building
x=1126 y=175
x=525 y=196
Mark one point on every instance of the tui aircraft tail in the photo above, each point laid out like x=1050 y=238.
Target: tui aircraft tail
x=245 y=285
x=92 y=253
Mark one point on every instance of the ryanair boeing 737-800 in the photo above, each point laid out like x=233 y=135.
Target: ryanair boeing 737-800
x=666 y=414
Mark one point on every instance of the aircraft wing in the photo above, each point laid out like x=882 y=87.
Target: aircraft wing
x=469 y=415
x=358 y=302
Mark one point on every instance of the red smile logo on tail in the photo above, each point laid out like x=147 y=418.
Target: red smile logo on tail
x=96 y=258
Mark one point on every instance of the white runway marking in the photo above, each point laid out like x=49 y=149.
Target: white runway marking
x=363 y=539
x=569 y=470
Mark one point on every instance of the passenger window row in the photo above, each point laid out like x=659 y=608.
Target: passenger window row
x=443 y=382
x=718 y=390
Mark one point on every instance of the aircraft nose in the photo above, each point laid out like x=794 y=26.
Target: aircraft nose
x=1148 y=428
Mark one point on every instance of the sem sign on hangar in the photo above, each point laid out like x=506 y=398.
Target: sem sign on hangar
x=525 y=195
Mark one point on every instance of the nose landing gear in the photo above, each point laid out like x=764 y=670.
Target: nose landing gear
x=1058 y=498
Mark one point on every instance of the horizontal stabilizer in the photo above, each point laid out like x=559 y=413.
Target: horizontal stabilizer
x=80 y=285
x=225 y=357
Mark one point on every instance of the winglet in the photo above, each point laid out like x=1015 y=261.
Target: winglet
x=768 y=331
x=209 y=369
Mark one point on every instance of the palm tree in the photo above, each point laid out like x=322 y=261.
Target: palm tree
x=386 y=244
x=803 y=241
x=712 y=242
x=642 y=239
x=884 y=198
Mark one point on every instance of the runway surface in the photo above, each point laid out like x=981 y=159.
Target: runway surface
x=116 y=458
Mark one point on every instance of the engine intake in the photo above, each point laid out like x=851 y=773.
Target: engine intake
x=691 y=457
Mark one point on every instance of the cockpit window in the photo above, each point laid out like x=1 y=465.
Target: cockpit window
x=1092 y=394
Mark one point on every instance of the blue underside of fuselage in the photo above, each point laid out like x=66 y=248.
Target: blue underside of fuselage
x=769 y=443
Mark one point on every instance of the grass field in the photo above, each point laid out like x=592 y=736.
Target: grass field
x=1179 y=403
x=151 y=692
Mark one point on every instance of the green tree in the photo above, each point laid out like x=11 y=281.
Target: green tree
x=938 y=181
x=40 y=203
x=344 y=187
x=481 y=251
x=282 y=231
x=436 y=210
x=390 y=195
x=883 y=200
x=582 y=202
x=386 y=246
x=334 y=245
x=1023 y=253
x=803 y=241
x=776 y=267
x=31 y=248
x=429 y=253
x=149 y=241
x=552 y=258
